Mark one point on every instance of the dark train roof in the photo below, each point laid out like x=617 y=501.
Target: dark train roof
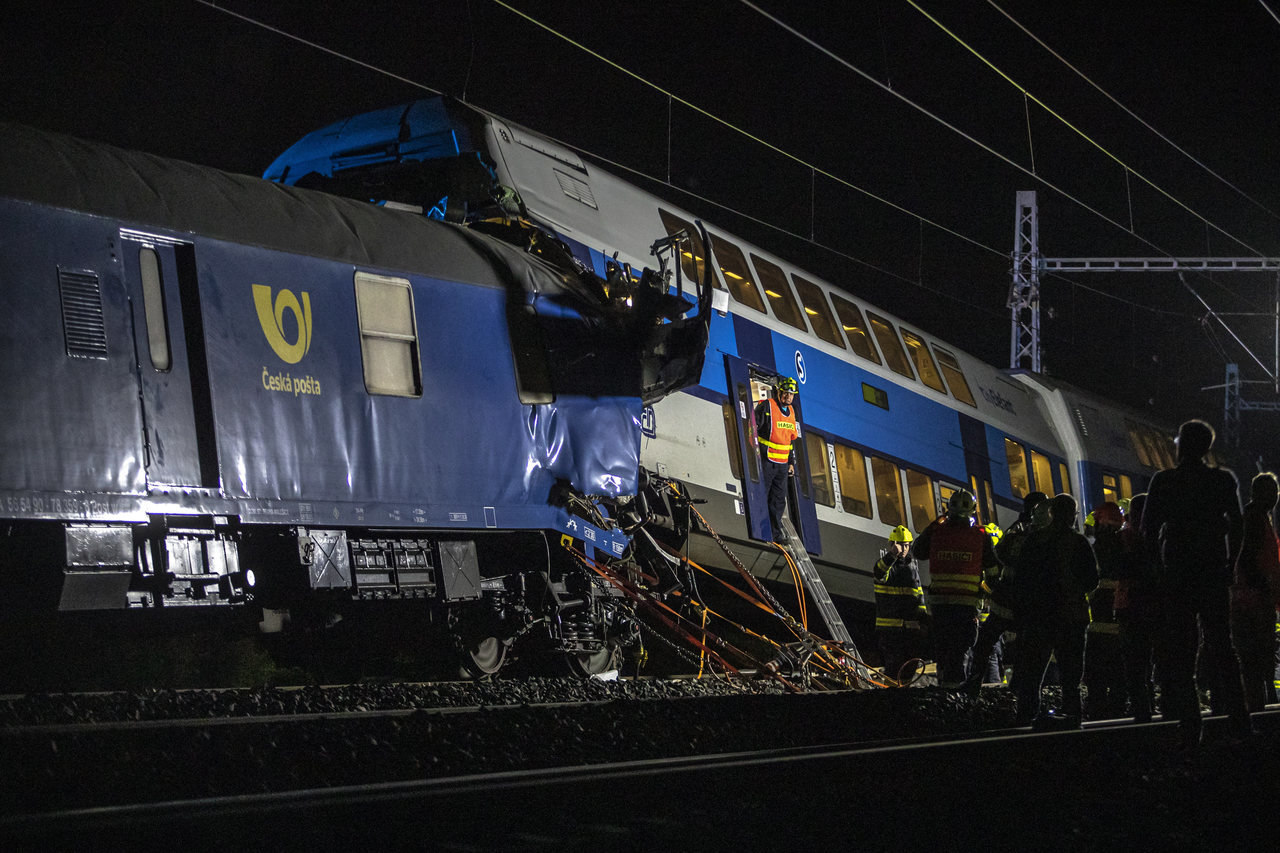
x=145 y=190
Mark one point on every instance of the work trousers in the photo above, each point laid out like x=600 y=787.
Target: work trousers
x=988 y=652
x=1104 y=672
x=775 y=479
x=1253 y=633
x=955 y=631
x=1038 y=640
x=897 y=646
x=1137 y=646
x=1186 y=616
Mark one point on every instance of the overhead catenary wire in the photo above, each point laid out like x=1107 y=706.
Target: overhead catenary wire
x=922 y=220
x=987 y=148
x=1130 y=112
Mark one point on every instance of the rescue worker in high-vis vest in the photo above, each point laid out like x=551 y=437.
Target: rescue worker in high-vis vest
x=776 y=428
x=1104 y=674
x=958 y=551
x=993 y=620
x=900 y=607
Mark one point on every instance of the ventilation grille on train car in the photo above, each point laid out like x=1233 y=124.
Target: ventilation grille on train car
x=576 y=189
x=83 y=323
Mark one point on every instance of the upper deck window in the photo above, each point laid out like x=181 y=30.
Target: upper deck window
x=692 y=253
x=815 y=307
x=854 y=326
x=779 y=292
x=388 y=335
x=737 y=275
x=887 y=335
x=1139 y=444
x=955 y=376
x=919 y=351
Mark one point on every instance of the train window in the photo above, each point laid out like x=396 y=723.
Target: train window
x=731 y=439
x=955 y=376
x=1168 y=450
x=1041 y=473
x=888 y=491
x=920 y=499
x=944 y=498
x=1065 y=476
x=776 y=288
x=737 y=274
x=1139 y=446
x=388 y=335
x=855 y=497
x=815 y=306
x=854 y=326
x=1018 y=480
x=691 y=253
x=887 y=335
x=1110 y=490
x=979 y=498
x=875 y=396
x=153 y=308
x=819 y=469
x=1155 y=450
x=919 y=351
x=1126 y=486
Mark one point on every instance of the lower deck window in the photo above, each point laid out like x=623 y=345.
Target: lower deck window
x=819 y=469
x=855 y=496
x=888 y=492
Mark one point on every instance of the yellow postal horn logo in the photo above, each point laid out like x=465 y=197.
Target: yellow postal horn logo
x=271 y=317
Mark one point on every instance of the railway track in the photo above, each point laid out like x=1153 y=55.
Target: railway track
x=1112 y=784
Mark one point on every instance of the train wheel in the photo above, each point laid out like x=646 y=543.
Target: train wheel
x=483 y=657
x=594 y=663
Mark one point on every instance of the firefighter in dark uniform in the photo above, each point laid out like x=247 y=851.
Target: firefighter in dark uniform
x=776 y=428
x=900 y=607
x=958 y=551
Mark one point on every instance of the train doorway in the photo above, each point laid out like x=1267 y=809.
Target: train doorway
x=748 y=385
x=173 y=374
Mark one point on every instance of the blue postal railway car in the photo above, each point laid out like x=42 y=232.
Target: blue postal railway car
x=893 y=419
x=223 y=390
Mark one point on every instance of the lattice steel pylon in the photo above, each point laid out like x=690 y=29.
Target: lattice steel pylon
x=1024 y=291
x=1024 y=303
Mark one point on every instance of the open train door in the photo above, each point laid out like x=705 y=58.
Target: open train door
x=746 y=388
x=754 y=497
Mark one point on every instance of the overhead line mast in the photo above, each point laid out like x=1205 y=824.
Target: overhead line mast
x=1024 y=305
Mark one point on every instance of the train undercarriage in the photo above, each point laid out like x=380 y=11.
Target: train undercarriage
x=493 y=595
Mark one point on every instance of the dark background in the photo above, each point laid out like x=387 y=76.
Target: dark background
x=927 y=226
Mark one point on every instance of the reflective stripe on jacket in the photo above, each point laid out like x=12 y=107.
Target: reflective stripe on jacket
x=782 y=431
x=899 y=594
x=955 y=564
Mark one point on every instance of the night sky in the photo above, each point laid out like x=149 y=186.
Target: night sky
x=926 y=228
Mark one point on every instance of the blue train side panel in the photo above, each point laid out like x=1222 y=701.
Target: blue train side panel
x=74 y=424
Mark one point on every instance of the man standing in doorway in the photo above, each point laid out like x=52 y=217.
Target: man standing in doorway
x=776 y=428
